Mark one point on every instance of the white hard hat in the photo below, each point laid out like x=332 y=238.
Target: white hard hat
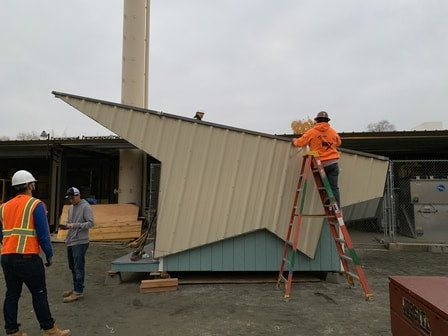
x=22 y=177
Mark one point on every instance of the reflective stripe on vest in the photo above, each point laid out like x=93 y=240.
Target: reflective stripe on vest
x=24 y=232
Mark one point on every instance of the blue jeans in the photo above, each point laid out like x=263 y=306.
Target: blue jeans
x=25 y=269
x=76 y=255
x=332 y=172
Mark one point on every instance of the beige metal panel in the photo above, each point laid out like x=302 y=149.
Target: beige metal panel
x=217 y=192
x=217 y=182
x=361 y=178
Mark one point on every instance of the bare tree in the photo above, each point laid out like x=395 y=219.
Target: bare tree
x=381 y=126
x=28 y=136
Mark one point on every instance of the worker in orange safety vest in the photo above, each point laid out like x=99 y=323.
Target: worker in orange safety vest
x=24 y=231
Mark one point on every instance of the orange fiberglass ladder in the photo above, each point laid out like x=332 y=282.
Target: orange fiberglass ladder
x=351 y=267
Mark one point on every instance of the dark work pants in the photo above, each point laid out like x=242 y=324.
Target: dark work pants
x=22 y=269
x=76 y=255
x=332 y=172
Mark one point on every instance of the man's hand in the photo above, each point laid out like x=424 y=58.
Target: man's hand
x=49 y=262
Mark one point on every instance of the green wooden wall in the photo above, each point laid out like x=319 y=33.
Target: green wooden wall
x=260 y=250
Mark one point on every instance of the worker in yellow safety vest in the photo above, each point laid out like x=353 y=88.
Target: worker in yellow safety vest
x=24 y=231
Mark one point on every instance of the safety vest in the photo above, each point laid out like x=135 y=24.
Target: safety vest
x=19 y=234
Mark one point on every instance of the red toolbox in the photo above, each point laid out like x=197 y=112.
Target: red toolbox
x=419 y=305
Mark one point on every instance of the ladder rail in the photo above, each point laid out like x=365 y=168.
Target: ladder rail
x=341 y=230
x=296 y=217
x=291 y=223
x=311 y=164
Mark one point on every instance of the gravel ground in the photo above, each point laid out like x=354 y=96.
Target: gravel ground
x=314 y=309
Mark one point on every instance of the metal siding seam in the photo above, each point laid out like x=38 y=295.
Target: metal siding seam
x=266 y=214
x=206 y=193
x=196 y=171
x=143 y=125
x=228 y=254
x=182 y=221
x=229 y=184
x=186 y=203
x=217 y=262
x=283 y=197
x=216 y=177
x=195 y=259
x=168 y=212
x=248 y=195
x=260 y=250
x=239 y=254
x=111 y=117
x=106 y=118
x=251 y=239
x=154 y=138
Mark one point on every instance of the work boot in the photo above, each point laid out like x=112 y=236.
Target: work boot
x=67 y=293
x=18 y=333
x=55 y=331
x=72 y=297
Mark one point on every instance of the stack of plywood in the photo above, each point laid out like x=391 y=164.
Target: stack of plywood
x=113 y=222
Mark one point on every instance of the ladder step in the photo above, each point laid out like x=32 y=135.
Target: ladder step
x=343 y=256
x=353 y=275
x=315 y=216
x=286 y=260
x=340 y=240
x=282 y=278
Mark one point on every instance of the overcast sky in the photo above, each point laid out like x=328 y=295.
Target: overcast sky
x=254 y=64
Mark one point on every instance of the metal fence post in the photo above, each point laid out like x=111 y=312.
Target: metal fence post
x=389 y=206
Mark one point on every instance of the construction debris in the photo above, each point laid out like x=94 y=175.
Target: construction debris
x=159 y=285
x=141 y=241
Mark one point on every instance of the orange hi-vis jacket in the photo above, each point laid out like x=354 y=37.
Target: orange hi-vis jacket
x=323 y=139
x=19 y=234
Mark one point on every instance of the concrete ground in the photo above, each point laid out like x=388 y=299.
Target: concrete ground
x=315 y=308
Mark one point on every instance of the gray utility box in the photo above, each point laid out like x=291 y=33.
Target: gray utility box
x=430 y=200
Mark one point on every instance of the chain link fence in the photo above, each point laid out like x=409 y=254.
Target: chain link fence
x=414 y=208
x=415 y=203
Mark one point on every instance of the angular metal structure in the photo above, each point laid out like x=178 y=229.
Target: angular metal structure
x=219 y=182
